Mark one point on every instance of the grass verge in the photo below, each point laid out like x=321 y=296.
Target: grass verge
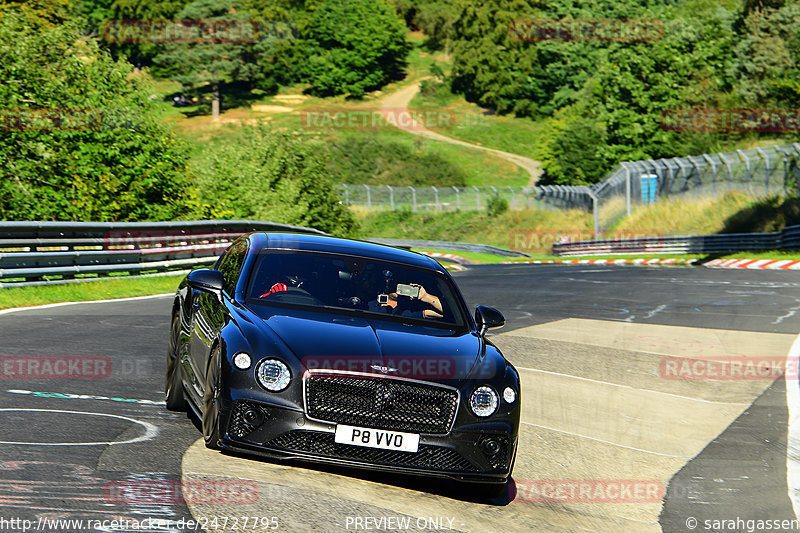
x=82 y=292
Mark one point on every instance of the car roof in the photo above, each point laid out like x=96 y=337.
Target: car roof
x=320 y=243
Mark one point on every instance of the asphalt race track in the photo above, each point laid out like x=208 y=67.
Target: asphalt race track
x=619 y=433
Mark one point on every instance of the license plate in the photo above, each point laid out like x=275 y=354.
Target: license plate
x=377 y=438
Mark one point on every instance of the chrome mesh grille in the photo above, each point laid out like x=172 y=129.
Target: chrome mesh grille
x=380 y=402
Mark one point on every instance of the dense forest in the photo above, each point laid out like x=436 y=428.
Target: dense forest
x=603 y=97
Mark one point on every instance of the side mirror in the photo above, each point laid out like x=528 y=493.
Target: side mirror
x=206 y=280
x=488 y=317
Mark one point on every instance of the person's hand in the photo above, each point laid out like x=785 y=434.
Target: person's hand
x=422 y=292
x=392 y=302
x=429 y=299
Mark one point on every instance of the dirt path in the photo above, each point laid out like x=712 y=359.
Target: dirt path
x=399 y=100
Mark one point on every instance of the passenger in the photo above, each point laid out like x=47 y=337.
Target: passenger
x=391 y=303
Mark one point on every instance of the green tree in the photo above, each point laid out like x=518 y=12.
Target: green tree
x=278 y=53
x=95 y=12
x=766 y=62
x=435 y=18
x=79 y=136
x=269 y=175
x=209 y=62
x=603 y=97
x=571 y=154
x=45 y=13
x=353 y=46
x=100 y=14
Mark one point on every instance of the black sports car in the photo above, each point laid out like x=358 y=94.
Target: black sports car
x=338 y=351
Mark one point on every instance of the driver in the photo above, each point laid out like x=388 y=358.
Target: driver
x=291 y=281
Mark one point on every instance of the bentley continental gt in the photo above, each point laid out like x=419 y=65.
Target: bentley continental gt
x=338 y=351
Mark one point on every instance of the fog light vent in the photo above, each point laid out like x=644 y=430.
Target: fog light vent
x=245 y=418
x=495 y=448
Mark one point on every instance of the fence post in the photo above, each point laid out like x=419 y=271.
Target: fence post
x=713 y=173
x=512 y=196
x=697 y=170
x=627 y=187
x=767 y=165
x=730 y=170
x=785 y=167
x=684 y=174
x=346 y=195
x=458 y=199
x=746 y=159
x=391 y=196
x=369 y=199
x=595 y=214
x=436 y=198
x=414 y=197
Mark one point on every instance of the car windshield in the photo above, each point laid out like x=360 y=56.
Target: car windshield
x=360 y=285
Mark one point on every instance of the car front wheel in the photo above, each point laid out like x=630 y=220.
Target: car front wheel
x=173 y=388
x=211 y=402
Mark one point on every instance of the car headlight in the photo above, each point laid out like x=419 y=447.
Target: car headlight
x=483 y=401
x=273 y=375
x=242 y=361
x=509 y=395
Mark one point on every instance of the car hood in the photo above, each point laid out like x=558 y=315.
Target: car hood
x=374 y=346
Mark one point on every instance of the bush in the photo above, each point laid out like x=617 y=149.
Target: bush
x=269 y=175
x=102 y=154
x=496 y=206
x=367 y=160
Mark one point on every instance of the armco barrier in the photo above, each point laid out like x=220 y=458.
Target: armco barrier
x=788 y=239
x=33 y=252
x=447 y=245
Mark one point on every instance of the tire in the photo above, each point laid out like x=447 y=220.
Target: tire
x=211 y=402
x=173 y=387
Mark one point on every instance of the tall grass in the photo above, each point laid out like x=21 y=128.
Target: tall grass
x=689 y=216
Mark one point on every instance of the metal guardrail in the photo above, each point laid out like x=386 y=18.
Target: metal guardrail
x=788 y=239
x=451 y=246
x=31 y=253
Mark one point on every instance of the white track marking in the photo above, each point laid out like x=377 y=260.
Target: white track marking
x=605 y=441
x=628 y=387
x=150 y=430
x=61 y=304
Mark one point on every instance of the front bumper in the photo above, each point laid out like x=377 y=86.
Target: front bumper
x=280 y=432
